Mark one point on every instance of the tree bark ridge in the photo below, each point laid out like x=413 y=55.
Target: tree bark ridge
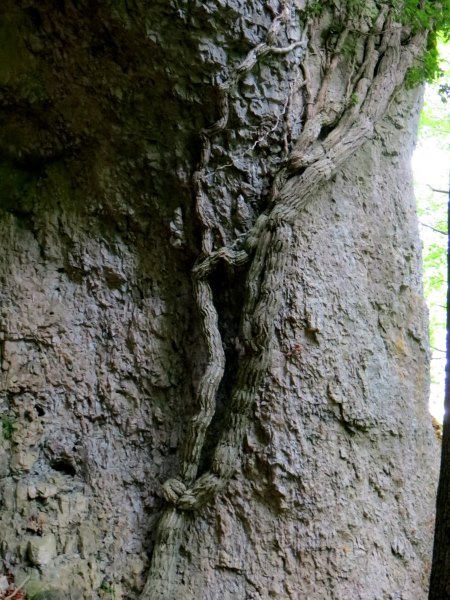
x=266 y=272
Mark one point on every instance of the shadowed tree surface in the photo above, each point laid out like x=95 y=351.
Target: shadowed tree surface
x=440 y=573
x=214 y=343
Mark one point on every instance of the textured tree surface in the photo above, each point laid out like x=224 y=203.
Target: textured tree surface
x=169 y=169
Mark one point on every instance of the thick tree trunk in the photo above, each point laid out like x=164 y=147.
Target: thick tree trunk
x=271 y=150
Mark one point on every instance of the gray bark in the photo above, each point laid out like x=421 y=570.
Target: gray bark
x=104 y=351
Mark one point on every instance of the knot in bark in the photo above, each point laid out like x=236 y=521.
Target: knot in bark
x=278 y=217
x=188 y=501
x=176 y=493
x=172 y=490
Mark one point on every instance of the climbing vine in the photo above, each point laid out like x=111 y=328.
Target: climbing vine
x=375 y=46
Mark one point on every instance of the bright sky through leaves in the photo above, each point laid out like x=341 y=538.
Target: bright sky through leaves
x=431 y=163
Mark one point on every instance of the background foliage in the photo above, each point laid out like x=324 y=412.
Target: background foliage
x=431 y=178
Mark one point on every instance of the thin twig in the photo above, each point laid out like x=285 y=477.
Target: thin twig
x=446 y=192
x=18 y=588
x=433 y=228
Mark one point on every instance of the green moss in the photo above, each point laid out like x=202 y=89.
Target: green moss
x=354 y=99
x=8 y=427
x=315 y=8
x=48 y=595
x=106 y=587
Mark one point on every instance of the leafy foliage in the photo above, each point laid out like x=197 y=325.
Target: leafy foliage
x=430 y=15
x=434 y=17
x=428 y=68
x=431 y=174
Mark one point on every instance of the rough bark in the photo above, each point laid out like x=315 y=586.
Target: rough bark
x=211 y=156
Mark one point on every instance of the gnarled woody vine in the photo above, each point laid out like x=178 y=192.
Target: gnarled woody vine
x=333 y=129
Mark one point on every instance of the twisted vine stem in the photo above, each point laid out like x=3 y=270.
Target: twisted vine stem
x=312 y=162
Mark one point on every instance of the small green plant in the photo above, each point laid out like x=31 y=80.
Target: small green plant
x=106 y=587
x=8 y=427
x=356 y=8
x=315 y=8
x=354 y=98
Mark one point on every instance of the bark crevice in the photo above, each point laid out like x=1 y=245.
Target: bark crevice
x=315 y=158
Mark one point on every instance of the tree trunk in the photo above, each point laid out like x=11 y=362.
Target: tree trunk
x=440 y=572
x=214 y=342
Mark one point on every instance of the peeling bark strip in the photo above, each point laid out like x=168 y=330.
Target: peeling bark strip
x=334 y=128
